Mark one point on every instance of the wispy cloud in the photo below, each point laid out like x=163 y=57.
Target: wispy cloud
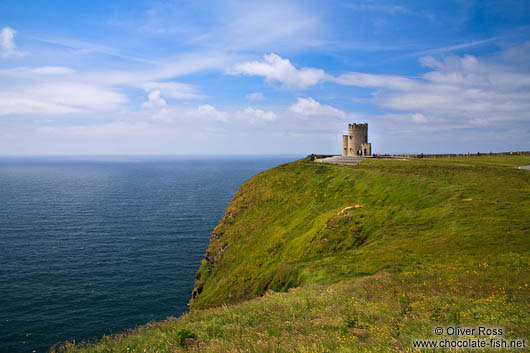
x=236 y=26
x=271 y=24
x=58 y=98
x=255 y=96
x=174 y=90
x=7 y=43
x=467 y=90
x=360 y=79
x=78 y=92
x=388 y=8
x=170 y=68
x=35 y=73
x=87 y=47
x=113 y=129
x=18 y=104
x=457 y=46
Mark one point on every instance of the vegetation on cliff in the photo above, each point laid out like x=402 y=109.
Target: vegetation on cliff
x=356 y=258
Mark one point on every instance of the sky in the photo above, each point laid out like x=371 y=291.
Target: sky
x=263 y=77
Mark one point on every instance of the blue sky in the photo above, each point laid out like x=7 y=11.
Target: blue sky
x=265 y=77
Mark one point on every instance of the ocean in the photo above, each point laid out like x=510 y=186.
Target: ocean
x=96 y=245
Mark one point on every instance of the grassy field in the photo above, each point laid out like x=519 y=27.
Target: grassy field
x=318 y=258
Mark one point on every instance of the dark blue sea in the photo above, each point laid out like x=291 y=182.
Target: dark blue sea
x=95 y=245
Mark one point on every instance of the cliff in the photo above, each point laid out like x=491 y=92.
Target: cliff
x=305 y=223
x=311 y=256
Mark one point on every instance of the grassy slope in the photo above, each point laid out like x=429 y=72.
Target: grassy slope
x=442 y=241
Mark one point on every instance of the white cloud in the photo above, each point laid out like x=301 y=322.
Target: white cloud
x=255 y=96
x=459 y=46
x=401 y=118
x=465 y=89
x=370 y=80
x=385 y=8
x=209 y=112
x=274 y=68
x=86 y=47
x=154 y=100
x=255 y=113
x=59 y=98
x=78 y=95
x=62 y=90
x=111 y=129
x=418 y=117
x=237 y=26
x=472 y=91
x=183 y=65
x=11 y=103
x=269 y=24
x=159 y=110
x=36 y=72
x=52 y=70
x=7 y=43
x=173 y=90
x=310 y=107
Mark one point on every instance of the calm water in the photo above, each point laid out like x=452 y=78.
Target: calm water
x=94 y=246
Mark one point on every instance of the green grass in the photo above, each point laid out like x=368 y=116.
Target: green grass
x=357 y=258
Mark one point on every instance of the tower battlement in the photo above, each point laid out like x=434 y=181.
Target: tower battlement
x=357 y=126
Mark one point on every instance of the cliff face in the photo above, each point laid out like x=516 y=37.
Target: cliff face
x=305 y=222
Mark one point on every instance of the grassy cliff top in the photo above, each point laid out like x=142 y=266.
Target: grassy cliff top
x=348 y=258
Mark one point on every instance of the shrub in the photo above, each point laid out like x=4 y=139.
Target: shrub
x=183 y=334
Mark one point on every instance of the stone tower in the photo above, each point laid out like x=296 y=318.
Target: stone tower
x=356 y=142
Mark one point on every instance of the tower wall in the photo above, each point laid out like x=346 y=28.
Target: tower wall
x=344 y=145
x=367 y=149
x=357 y=136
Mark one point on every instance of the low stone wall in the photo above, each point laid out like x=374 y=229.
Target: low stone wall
x=445 y=155
x=339 y=160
